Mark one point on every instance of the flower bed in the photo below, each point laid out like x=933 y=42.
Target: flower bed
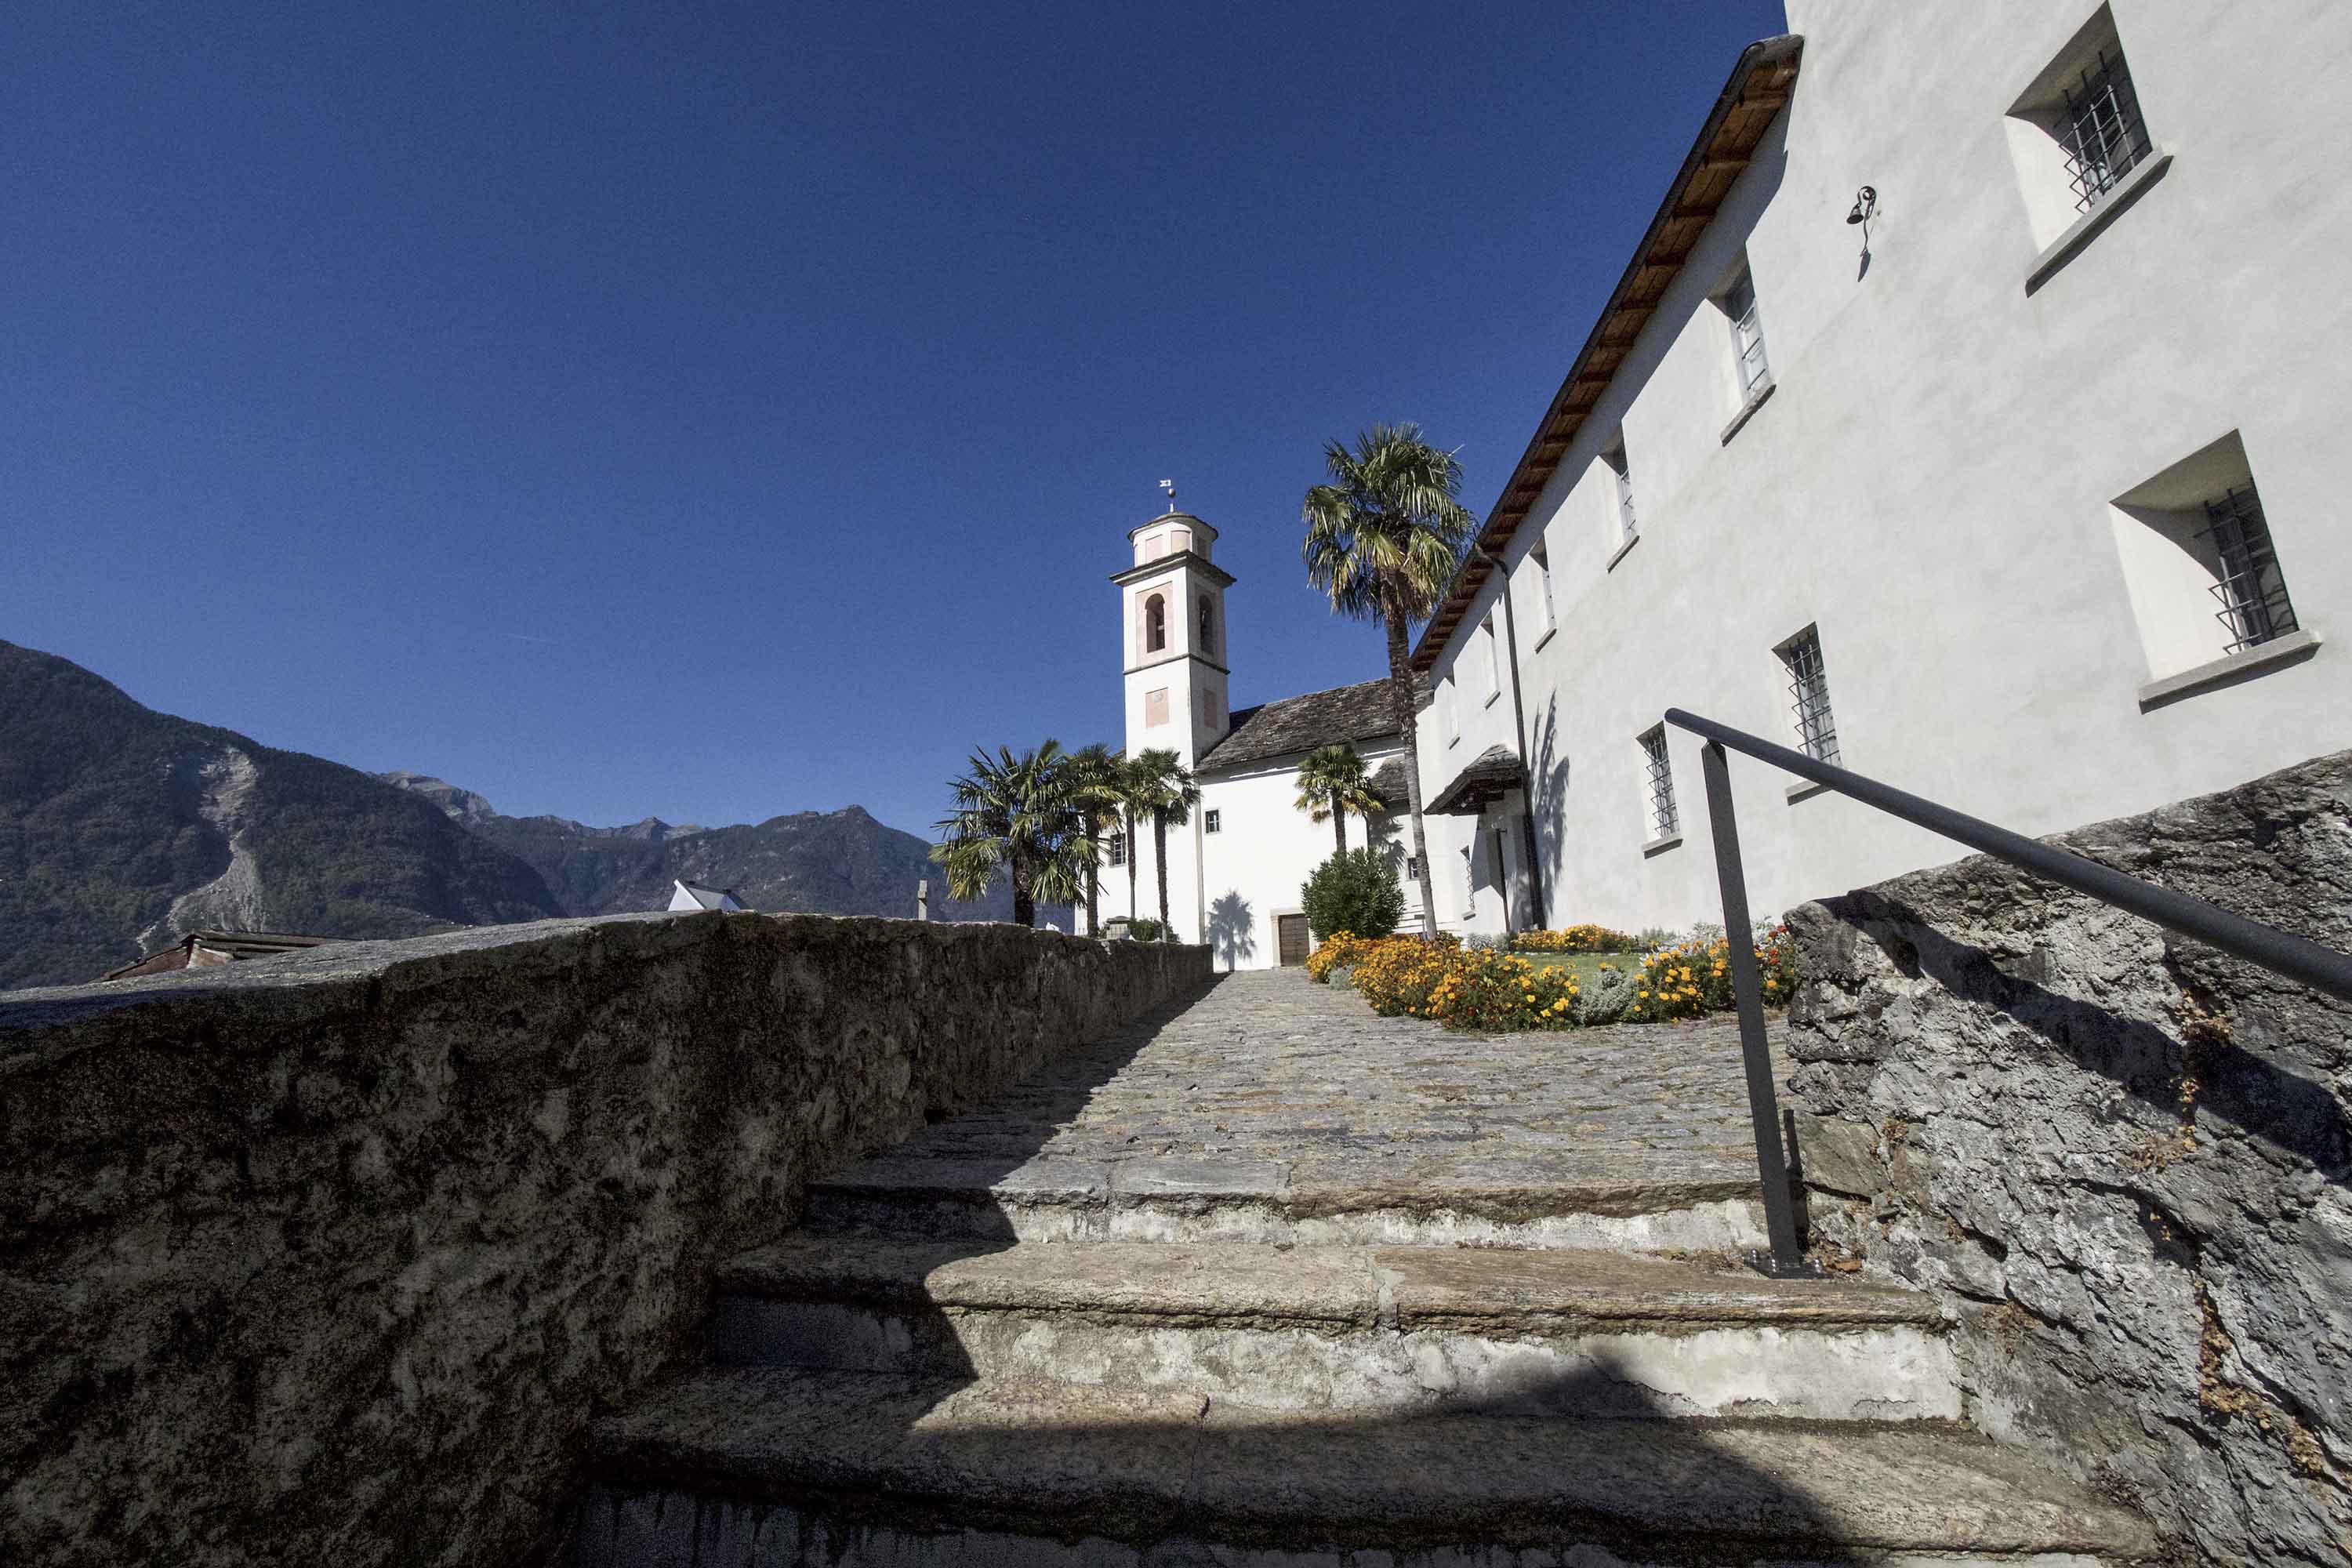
x=1575 y=939
x=1484 y=991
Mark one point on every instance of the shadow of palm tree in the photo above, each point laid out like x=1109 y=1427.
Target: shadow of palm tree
x=1233 y=931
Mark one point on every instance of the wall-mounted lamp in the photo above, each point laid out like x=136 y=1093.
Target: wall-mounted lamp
x=1865 y=207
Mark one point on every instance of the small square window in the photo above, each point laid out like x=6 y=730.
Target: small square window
x=1809 y=686
x=2100 y=128
x=2200 y=565
x=1213 y=821
x=1658 y=769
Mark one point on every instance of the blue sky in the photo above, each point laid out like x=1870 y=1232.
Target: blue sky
x=711 y=411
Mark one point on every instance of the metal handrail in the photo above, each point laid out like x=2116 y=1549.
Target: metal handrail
x=2321 y=968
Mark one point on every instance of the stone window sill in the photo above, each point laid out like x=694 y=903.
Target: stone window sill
x=2243 y=665
x=1804 y=789
x=1755 y=400
x=1549 y=632
x=1622 y=549
x=1660 y=845
x=2084 y=229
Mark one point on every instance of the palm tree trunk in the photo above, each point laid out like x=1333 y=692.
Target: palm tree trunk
x=1094 y=915
x=1160 y=849
x=1133 y=857
x=1025 y=905
x=1400 y=697
x=1339 y=827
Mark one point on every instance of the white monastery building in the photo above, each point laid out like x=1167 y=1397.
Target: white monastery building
x=1971 y=414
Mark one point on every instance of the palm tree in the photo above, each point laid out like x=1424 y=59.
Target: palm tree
x=1013 y=814
x=1383 y=539
x=1331 y=783
x=1098 y=791
x=1158 y=784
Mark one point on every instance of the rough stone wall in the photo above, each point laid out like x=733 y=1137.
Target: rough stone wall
x=329 y=1259
x=2122 y=1158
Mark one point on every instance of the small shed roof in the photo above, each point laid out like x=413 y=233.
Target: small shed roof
x=1494 y=775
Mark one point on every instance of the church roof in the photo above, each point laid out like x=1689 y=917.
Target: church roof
x=1359 y=712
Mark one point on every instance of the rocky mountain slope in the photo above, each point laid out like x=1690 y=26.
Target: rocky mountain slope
x=121 y=828
x=839 y=862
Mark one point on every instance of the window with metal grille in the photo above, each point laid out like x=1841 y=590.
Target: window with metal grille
x=1118 y=848
x=1747 y=332
x=1615 y=457
x=1212 y=822
x=1665 y=821
x=2101 y=129
x=2254 y=606
x=1809 y=685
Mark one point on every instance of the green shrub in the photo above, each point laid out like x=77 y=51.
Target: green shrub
x=1143 y=928
x=1354 y=890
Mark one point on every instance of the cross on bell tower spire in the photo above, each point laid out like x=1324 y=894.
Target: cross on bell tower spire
x=1170 y=485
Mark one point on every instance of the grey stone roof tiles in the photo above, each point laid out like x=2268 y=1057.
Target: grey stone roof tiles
x=1352 y=713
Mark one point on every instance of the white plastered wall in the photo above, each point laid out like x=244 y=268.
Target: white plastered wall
x=1933 y=482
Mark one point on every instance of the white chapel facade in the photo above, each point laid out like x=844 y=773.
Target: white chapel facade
x=1235 y=869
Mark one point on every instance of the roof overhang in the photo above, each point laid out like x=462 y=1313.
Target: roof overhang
x=1495 y=773
x=1198 y=563
x=1760 y=85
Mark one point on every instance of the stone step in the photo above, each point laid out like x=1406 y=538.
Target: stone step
x=1347 y=1329
x=1626 y=1202
x=765 y=1468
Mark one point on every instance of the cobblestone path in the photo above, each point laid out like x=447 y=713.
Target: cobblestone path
x=1267 y=1067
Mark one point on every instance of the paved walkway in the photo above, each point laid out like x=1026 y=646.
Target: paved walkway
x=1268 y=1067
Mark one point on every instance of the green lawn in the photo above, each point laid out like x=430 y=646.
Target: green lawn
x=1585 y=966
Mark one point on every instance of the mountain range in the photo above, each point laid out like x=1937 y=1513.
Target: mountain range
x=123 y=828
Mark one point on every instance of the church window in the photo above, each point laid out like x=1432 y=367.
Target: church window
x=1155 y=708
x=1491 y=659
x=1208 y=626
x=1155 y=624
x=1118 y=848
x=1212 y=822
x=1542 y=559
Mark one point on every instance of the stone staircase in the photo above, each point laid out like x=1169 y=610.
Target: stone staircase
x=1194 y=1363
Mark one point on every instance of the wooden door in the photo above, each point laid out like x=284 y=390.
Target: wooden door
x=1290 y=938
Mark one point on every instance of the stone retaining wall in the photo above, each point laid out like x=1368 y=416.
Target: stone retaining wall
x=330 y=1258
x=2124 y=1160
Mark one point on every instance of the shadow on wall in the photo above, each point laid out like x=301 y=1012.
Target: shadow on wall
x=1232 y=932
x=1548 y=778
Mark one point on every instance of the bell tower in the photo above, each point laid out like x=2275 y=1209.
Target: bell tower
x=1172 y=616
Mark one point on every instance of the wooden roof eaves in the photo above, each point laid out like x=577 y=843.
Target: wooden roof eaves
x=1737 y=122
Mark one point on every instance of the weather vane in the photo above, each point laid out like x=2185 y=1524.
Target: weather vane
x=1170 y=485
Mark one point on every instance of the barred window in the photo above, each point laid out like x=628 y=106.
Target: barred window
x=2101 y=129
x=2254 y=604
x=1213 y=821
x=1118 y=848
x=1665 y=821
x=1746 y=331
x=1809 y=685
x=1615 y=457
